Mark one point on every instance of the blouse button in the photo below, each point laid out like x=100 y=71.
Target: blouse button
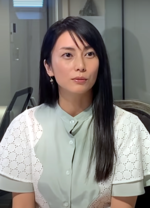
x=65 y=204
x=72 y=121
x=67 y=172
x=71 y=142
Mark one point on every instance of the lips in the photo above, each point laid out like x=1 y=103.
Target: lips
x=79 y=78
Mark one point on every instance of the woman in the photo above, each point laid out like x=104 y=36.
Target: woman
x=75 y=149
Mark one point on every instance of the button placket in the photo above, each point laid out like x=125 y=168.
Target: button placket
x=68 y=171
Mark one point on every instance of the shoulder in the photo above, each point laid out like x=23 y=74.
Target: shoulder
x=128 y=128
x=26 y=127
x=124 y=119
x=29 y=115
x=132 y=144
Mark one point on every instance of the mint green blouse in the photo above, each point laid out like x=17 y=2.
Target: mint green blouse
x=46 y=151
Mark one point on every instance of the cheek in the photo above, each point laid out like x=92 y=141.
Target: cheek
x=93 y=74
x=61 y=71
x=94 y=77
x=94 y=70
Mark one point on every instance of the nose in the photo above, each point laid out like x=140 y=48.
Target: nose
x=80 y=65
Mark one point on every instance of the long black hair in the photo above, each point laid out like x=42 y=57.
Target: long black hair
x=102 y=150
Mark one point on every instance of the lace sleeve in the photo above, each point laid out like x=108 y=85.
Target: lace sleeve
x=15 y=150
x=133 y=152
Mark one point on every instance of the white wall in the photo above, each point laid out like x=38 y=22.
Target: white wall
x=34 y=54
x=72 y=7
x=77 y=5
x=36 y=32
x=137 y=50
x=113 y=42
x=4 y=53
x=65 y=8
x=18 y=68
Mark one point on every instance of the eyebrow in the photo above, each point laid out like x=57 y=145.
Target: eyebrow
x=73 y=49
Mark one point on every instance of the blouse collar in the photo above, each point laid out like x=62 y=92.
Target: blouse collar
x=73 y=123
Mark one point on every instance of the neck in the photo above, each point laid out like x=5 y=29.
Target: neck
x=74 y=104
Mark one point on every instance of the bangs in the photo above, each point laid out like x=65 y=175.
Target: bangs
x=78 y=36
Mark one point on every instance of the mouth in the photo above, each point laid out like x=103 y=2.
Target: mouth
x=79 y=80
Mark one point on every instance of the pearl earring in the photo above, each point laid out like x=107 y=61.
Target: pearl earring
x=51 y=80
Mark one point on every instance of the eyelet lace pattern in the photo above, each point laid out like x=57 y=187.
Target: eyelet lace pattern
x=19 y=161
x=132 y=144
x=133 y=149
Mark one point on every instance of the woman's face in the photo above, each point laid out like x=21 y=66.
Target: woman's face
x=74 y=68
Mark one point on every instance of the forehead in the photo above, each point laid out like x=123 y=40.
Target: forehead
x=66 y=40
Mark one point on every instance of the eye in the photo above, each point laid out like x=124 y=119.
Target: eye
x=67 y=55
x=91 y=54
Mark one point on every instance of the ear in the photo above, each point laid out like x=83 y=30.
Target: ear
x=48 y=68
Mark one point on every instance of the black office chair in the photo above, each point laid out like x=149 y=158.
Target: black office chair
x=32 y=103
x=142 y=110
x=17 y=105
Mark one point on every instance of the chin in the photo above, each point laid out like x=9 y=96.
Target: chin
x=76 y=90
x=81 y=92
